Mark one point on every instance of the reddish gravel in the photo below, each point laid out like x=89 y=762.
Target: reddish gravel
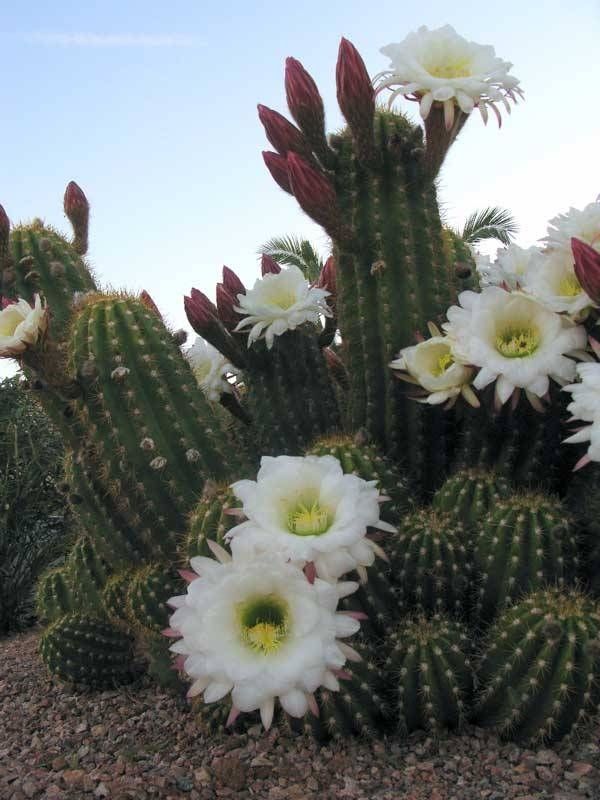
x=123 y=744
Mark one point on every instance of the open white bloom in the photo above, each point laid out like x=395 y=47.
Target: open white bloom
x=551 y=279
x=585 y=406
x=584 y=225
x=20 y=326
x=308 y=510
x=210 y=369
x=441 y=66
x=515 y=341
x=280 y=303
x=260 y=630
x=509 y=269
x=431 y=364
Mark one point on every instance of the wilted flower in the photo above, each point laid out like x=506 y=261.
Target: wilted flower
x=210 y=369
x=21 y=326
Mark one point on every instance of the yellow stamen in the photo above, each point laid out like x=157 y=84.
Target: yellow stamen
x=308 y=520
x=518 y=342
x=569 y=287
x=265 y=636
x=460 y=68
x=443 y=364
x=281 y=297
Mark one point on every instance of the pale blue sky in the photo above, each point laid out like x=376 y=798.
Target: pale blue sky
x=151 y=108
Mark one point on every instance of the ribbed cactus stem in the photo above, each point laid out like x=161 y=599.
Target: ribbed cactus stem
x=54 y=597
x=470 y=494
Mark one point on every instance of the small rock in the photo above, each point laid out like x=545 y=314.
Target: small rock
x=101 y=790
x=547 y=758
x=73 y=778
x=98 y=730
x=59 y=763
x=230 y=771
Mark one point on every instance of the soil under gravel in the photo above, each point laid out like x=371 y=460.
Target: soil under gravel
x=122 y=743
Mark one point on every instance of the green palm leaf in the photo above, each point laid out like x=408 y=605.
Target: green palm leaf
x=490 y=223
x=291 y=250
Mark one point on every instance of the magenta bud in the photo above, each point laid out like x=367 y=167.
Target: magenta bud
x=232 y=283
x=200 y=312
x=147 y=300
x=327 y=277
x=280 y=132
x=303 y=99
x=225 y=305
x=355 y=93
x=77 y=210
x=277 y=166
x=4 y=229
x=269 y=266
x=315 y=193
x=587 y=268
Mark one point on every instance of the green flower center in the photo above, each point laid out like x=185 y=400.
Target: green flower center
x=569 y=287
x=264 y=623
x=442 y=365
x=309 y=518
x=457 y=68
x=518 y=342
x=280 y=296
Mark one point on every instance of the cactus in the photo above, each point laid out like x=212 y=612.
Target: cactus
x=147 y=594
x=87 y=574
x=539 y=674
x=430 y=563
x=114 y=596
x=209 y=521
x=89 y=650
x=431 y=673
x=524 y=543
x=469 y=494
x=53 y=595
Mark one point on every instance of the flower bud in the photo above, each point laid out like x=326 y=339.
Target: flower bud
x=277 y=166
x=77 y=210
x=315 y=194
x=4 y=233
x=268 y=266
x=587 y=268
x=225 y=305
x=147 y=300
x=304 y=100
x=280 y=132
x=355 y=94
x=232 y=283
x=327 y=277
x=200 y=311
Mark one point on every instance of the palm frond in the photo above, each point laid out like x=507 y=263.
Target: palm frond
x=292 y=250
x=490 y=223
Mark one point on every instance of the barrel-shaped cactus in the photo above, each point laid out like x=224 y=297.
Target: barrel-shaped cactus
x=469 y=494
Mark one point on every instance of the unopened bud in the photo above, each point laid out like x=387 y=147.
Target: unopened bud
x=277 y=166
x=304 y=100
x=285 y=137
x=269 y=266
x=356 y=96
x=587 y=268
x=315 y=194
x=328 y=280
x=147 y=300
x=232 y=283
x=225 y=305
x=77 y=210
x=200 y=311
x=4 y=234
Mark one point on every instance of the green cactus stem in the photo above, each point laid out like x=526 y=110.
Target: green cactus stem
x=430 y=563
x=539 y=674
x=470 y=494
x=87 y=573
x=525 y=542
x=54 y=597
x=209 y=521
x=114 y=596
x=147 y=595
x=431 y=673
x=88 y=650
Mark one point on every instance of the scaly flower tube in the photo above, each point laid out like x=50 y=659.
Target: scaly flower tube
x=279 y=303
x=515 y=341
x=21 y=325
x=258 y=629
x=308 y=510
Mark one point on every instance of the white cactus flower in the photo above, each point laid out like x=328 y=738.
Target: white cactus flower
x=509 y=268
x=439 y=66
x=585 y=406
x=551 y=279
x=575 y=223
x=432 y=366
x=258 y=629
x=210 y=369
x=21 y=325
x=515 y=341
x=308 y=510
x=280 y=303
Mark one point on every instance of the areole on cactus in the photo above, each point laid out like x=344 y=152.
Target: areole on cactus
x=280 y=468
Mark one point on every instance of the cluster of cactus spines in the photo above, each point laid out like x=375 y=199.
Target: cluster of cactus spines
x=431 y=672
x=114 y=596
x=360 y=458
x=469 y=494
x=149 y=589
x=88 y=650
x=54 y=596
x=209 y=521
x=539 y=674
x=525 y=543
x=87 y=574
x=430 y=563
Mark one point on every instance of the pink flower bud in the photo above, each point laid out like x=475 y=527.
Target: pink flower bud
x=200 y=311
x=327 y=277
x=315 y=193
x=304 y=100
x=587 y=268
x=4 y=230
x=277 y=166
x=232 y=283
x=147 y=300
x=269 y=266
x=225 y=305
x=355 y=93
x=284 y=136
x=77 y=210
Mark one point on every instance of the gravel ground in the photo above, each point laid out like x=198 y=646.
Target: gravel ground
x=120 y=744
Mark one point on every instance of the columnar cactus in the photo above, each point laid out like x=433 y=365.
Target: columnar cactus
x=53 y=595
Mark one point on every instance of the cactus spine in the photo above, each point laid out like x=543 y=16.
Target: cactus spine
x=469 y=494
